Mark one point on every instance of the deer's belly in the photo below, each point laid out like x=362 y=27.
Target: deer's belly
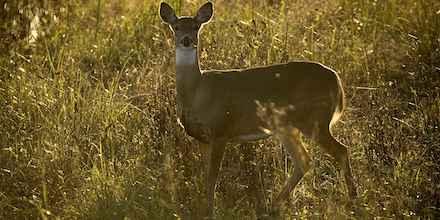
x=204 y=133
x=243 y=138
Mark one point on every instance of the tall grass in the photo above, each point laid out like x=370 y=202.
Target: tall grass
x=89 y=129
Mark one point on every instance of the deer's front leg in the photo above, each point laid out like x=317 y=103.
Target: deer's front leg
x=215 y=152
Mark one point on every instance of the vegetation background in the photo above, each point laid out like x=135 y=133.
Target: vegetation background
x=88 y=126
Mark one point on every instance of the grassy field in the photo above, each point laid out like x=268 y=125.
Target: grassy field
x=88 y=126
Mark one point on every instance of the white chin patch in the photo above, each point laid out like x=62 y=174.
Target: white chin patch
x=186 y=56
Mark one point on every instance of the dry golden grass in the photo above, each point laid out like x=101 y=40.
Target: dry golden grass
x=88 y=126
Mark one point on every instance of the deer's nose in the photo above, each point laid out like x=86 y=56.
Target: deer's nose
x=186 y=42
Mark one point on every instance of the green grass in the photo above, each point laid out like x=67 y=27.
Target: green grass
x=88 y=127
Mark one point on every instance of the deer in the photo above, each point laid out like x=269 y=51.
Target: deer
x=219 y=107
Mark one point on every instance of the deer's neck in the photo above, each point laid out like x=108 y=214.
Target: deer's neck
x=188 y=74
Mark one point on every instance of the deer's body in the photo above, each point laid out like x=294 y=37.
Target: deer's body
x=216 y=112
x=217 y=107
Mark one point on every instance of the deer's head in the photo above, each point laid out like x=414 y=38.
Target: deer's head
x=186 y=28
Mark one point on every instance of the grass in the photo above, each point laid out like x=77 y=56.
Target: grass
x=89 y=129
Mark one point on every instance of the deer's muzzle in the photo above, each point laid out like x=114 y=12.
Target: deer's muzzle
x=186 y=42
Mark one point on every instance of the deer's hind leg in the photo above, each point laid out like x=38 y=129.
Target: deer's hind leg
x=290 y=139
x=340 y=152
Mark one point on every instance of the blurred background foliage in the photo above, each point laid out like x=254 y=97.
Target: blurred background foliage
x=88 y=127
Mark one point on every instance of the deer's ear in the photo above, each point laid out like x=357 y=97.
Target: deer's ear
x=167 y=13
x=205 y=13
